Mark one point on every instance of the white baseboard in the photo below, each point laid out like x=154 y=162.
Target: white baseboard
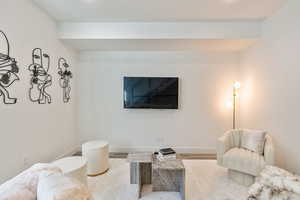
x=124 y=149
x=192 y=150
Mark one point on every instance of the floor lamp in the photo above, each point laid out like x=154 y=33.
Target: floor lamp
x=236 y=87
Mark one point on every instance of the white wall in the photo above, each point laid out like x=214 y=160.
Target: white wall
x=271 y=79
x=30 y=132
x=205 y=83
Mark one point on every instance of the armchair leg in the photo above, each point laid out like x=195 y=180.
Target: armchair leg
x=241 y=178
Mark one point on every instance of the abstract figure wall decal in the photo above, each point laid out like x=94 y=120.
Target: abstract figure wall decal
x=40 y=77
x=8 y=70
x=65 y=76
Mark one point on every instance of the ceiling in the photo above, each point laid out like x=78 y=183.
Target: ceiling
x=158 y=10
x=160 y=44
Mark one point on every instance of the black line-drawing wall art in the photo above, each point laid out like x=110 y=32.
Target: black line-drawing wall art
x=65 y=76
x=8 y=70
x=40 y=77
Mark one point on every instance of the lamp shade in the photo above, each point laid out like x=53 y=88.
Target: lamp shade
x=237 y=85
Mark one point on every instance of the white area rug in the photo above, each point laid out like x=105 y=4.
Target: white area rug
x=205 y=180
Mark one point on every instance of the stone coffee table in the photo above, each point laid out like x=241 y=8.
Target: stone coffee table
x=140 y=169
x=145 y=168
x=168 y=176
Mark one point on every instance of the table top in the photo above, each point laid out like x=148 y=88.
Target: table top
x=168 y=165
x=140 y=157
x=156 y=164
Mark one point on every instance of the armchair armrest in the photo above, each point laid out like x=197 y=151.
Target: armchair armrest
x=223 y=145
x=269 y=151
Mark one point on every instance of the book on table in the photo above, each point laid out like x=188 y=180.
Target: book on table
x=167 y=151
x=166 y=154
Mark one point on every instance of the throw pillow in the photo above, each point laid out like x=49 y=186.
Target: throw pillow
x=24 y=185
x=60 y=187
x=18 y=192
x=254 y=140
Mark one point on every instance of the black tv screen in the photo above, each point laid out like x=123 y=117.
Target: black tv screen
x=151 y=92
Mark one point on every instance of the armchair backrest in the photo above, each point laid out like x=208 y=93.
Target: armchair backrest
x=269 y=151
x=235 y=137
x=235 y=140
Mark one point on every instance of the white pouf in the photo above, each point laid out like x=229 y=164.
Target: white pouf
x=75 y=167
x=96 y=154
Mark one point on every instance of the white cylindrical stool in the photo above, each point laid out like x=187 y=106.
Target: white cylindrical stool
x=96 y=154
x=75 y=167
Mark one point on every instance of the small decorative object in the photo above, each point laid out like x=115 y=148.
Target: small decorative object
x=8 y=72
x=166 y=154
x=40 y=78
x=65 y=76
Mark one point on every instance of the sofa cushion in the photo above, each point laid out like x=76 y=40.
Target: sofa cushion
x=253 y=140
x=26 y=182
x=60 y=187
x=17 y=192
x=243 y=160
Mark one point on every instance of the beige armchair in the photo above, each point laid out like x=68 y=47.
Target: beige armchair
x=243 y=165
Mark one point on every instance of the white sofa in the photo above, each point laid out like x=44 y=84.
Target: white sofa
x=243 y=165
x=43 y=182
x=24 y=186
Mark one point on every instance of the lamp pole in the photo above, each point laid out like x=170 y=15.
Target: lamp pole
x=236 y=86
x=234 y=108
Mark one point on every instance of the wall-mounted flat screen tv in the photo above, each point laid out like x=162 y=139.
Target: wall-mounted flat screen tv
x=151 y=92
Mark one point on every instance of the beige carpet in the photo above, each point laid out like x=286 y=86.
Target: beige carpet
x=205 y=180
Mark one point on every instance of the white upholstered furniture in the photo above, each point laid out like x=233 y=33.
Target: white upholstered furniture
x=75 y=167
x=43 y=182
x=275 y=184
x=96 y=154
x=60 y=187
x=243 y=165
x=24 y=186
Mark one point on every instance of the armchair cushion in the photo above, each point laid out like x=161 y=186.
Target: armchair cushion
x=240 y=159
x=253 y=140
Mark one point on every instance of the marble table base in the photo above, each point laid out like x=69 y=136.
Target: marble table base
x=140 y=174
x=164 y=176
x=169 y=176
x=140 y=169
